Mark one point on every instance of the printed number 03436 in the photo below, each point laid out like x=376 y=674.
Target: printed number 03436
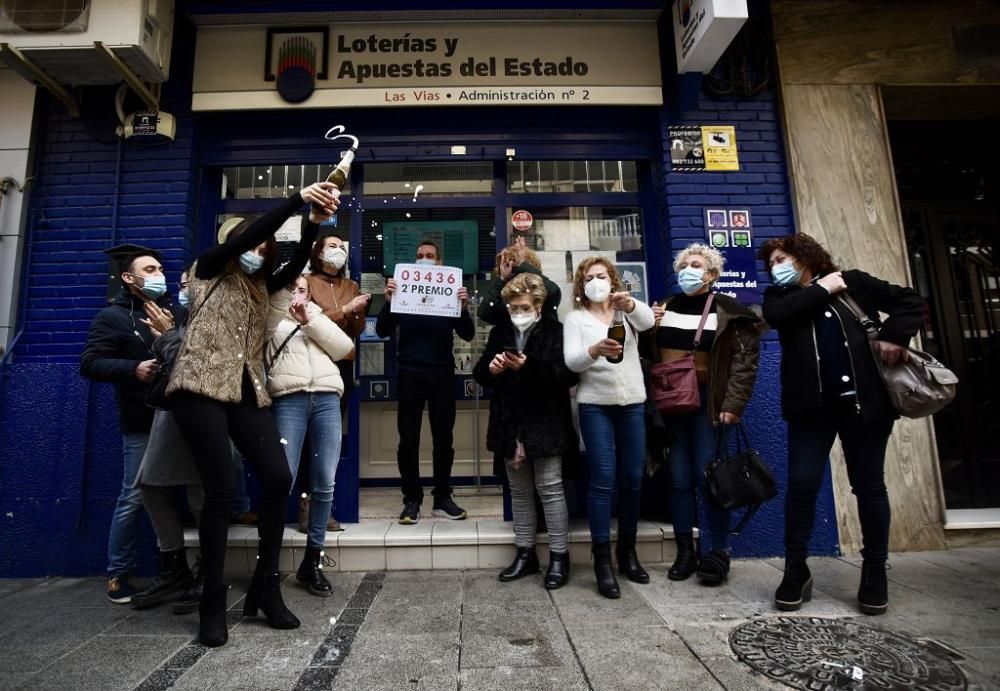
x=430 y=276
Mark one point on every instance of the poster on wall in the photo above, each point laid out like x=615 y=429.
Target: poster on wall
x=633 y=275
x=703 y=148
x=458 y=240
x=730 y=231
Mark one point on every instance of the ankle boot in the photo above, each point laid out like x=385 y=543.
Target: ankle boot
x=265 y=594
x=173 y=579
x=558 y=574
x=189 y=599
x=525 y=563
x=873 y=593
x=607 y=584
x=628 y=560
x=212 y=629
x=686 y=562
x=310 y=573
x=796 y=586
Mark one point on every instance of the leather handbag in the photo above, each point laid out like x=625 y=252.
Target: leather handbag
x=918 y=387
x=674 y=385
x=740 y=479
x=156 y=394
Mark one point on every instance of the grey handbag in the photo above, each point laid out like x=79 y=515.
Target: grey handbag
x=919 y=387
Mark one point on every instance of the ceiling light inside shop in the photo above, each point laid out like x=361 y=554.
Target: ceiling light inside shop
x=406 y=185
x=458 y=150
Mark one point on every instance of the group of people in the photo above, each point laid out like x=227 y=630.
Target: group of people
x=258 y=358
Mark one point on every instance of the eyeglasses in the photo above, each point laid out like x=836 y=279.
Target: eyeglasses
x=523 y=309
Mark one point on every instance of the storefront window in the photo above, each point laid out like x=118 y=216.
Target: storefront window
x=571 y=176
x=563 y=236
x=419 y=180
x=272 y=181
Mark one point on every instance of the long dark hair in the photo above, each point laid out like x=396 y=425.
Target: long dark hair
x=315 y=260
x=804 y=248
x=270 y=262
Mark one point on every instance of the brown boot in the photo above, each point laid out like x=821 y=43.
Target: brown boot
x=331 y=524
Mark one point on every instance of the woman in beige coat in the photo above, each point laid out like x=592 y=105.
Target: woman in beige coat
x=305 y=385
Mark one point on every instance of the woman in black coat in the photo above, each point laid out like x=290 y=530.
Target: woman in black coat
x=531 y=426
x=830 y=386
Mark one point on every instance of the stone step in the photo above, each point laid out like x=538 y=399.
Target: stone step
x=384 y=544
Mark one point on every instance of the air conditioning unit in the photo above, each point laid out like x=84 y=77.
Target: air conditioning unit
x=59 y=35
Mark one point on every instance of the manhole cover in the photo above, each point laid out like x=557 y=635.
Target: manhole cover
x=819 y=654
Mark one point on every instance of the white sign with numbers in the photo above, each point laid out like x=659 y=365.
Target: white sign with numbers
x=427 y=290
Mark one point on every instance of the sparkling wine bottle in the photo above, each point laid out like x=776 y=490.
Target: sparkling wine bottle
x=616 y=332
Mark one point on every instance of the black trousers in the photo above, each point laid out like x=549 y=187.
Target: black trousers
x=207 y=426
x=810 y=438
x=436 y=391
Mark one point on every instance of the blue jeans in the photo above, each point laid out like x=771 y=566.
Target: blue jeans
x=124 y=534
x=319 y=415
x=615 y=437
x=693 y=448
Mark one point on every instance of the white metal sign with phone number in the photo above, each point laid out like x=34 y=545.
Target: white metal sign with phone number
x=427 y=290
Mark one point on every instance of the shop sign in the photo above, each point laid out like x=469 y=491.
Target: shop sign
x=428 y=63
x=703 y=148
x=703 y=29
x=730 y=232
x=521 y=220
x=430 y=291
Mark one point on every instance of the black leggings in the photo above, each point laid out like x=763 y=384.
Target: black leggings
x=207 y=426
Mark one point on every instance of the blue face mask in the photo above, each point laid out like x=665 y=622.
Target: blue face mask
x=691 y=280
x=785 y=273
x=154 y=286
x=251 y=262
x=183 y=298
x=426 y=262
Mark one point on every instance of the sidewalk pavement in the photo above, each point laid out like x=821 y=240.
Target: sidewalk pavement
x=463 y=630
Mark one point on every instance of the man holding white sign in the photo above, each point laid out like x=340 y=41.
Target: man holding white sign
x=427 y=303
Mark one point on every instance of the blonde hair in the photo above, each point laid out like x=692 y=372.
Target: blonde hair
x=522 y=284
x=581 y=272
x=526 y=253
x=712 y=257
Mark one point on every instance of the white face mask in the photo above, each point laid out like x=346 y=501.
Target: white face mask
x=522 y=321
x=597 y=289
x=335 y=257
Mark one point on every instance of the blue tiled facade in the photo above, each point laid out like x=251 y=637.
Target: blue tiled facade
x=60 y=460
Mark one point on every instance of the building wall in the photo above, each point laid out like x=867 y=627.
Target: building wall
x=60 y=468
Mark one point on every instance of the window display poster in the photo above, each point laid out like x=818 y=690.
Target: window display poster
x=633 y=275
x=427 y=290
x=730 y=231
x=458 y=240
x=372 y=359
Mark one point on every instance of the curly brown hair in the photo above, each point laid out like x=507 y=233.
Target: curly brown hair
x=581 y=271
x=805 y=250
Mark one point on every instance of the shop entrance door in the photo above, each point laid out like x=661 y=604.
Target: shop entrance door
x=956 y=268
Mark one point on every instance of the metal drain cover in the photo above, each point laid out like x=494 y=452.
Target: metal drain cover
x=819 y=654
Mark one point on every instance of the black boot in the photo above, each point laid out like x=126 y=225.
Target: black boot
x=628 y=560
x=713 y=569
x=873 y=593
x=686 y=562
x=796 y=587
x=173 y=579
x=212 y=629
x=189 y=599
x=265 y=594
x=607 y=584
x=311 y=574
x=525 y=563
x=558 y=574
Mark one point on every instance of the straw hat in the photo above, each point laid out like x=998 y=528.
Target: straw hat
x=227 y=227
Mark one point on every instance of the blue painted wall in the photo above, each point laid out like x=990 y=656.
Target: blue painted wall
x=60 y=457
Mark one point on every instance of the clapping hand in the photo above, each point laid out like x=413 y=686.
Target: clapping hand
x=160 y=320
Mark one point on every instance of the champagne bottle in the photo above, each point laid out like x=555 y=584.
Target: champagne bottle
x=339 y=175
x=616 y=332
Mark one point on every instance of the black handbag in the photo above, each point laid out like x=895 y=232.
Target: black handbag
x=740 y=479
x=156 y=394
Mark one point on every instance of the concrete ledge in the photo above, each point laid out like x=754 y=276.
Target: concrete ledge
x=972 y=519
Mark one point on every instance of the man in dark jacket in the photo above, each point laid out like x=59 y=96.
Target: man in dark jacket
x=426 y=360
x=516 y=259
x=119 y=351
